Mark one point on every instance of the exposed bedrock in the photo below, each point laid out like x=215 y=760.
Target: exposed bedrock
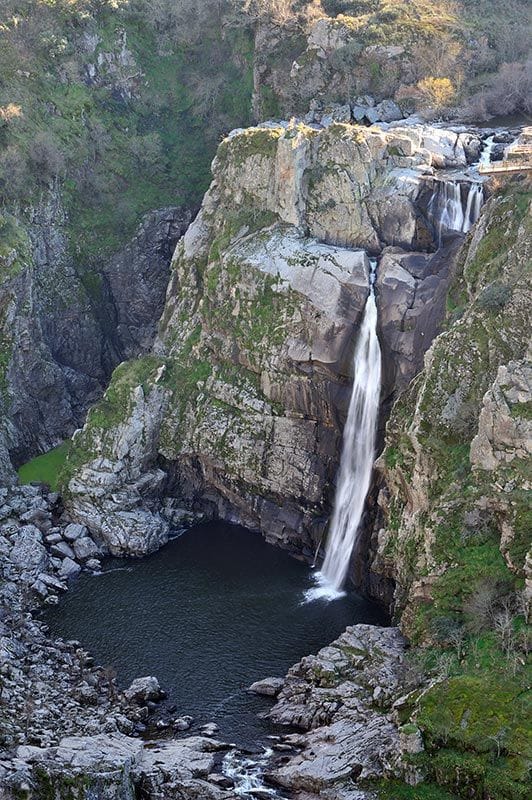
x=458 y=442
x=239 y=409
x=346 y=703
x=64 y=328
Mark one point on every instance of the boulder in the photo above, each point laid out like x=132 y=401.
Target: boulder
x=388 y=111
x=86 y=549
x=28 y=553
x=74 y=531
x=63 y=550
x=143 y=690
x=69 y=568
x=267 y=686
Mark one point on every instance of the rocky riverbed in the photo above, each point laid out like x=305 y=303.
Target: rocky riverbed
x=65 y=728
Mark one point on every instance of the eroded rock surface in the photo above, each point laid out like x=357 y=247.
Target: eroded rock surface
x=343 y=698
x=239 y=410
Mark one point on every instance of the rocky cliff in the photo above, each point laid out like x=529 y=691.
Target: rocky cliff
x=443 y=717
x=239 y=409
x=458 y=441
x=64 y=329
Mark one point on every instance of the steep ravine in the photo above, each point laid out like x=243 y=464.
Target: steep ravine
x=64 y=329
x=240 y=406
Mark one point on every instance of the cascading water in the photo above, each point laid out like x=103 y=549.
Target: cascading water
x=446 y=207
x=475 y=199
x=358 y=453
x=487 y=150
x=246 y=774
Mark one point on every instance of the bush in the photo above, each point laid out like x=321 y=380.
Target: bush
x=46 y=157
x=438 y=92
x=494 y=297
x=511 y=89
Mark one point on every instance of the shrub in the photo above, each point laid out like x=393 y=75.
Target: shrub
x=46 y=156
x=494 y=297
x=438 y=92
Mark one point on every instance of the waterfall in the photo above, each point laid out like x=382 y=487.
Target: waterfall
x=447 y=209
x=452 y=215
x=475 y=198
x=358 y=453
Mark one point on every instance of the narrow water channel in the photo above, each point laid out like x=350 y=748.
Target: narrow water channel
x=210 y=613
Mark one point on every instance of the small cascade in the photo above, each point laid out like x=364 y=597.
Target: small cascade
x=487 y=150
x=447 y=209
x=475 y=199
x=358 y=453
x=246 y=773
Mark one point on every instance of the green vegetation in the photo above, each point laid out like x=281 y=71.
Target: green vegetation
x=14 y=247
x=252 y=142
x=103 y=418
x=470 y=629
x=120 y=104
x=46 y=468
x=394 y=790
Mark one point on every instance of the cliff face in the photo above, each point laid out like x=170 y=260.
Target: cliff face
x=63 y=329
x=239 y=409
x=458 y=441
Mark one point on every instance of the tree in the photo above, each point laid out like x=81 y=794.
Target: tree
x=481 y=606
x=511 y=89
x=437 y=92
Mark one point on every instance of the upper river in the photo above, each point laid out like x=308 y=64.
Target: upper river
x=208 y=614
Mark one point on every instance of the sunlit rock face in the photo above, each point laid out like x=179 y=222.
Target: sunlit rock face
x=249 y=378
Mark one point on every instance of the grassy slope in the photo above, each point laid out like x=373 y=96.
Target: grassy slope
x=45 y=468
x=119 y=156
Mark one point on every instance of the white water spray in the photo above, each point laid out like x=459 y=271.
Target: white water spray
x=246 y=773
x=487 y=150
x=358 y=453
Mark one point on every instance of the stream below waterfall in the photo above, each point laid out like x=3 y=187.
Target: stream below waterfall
x=208 y=614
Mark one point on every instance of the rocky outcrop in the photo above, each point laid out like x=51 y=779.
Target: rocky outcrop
x=64 y=329
x=464 y=423
x=343 y=698
x=239 y=411
x=137 y=278
x=115 y=767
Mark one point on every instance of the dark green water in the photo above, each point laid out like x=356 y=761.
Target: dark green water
x=210 y=613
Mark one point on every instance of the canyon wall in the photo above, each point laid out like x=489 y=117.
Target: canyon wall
x=239 y=408
x=64 y=329
x=455 y=473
